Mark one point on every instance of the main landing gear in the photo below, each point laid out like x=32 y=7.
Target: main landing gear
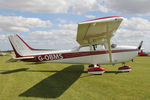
x=96 y=69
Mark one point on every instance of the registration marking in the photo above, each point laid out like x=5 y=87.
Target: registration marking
x=49 y=57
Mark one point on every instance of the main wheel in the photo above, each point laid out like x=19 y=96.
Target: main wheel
x=125 y=69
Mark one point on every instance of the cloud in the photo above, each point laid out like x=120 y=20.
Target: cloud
x=90 y=16
x=2 y=37
x=68 y=26
x=56 y=39
x=63 y=38
x=51 y=6
x=138 y=24
x=45 y=6
x=132 y=31
x=21 y=24
x=138 y=7
x=4 y=42
x=61 y=20
x=82 y=6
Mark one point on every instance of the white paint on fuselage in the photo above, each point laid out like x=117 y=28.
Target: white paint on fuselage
x=25 y=51
x=103 y=58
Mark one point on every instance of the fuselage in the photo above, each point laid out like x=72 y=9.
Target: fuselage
x=84 y=55
x=89 y=54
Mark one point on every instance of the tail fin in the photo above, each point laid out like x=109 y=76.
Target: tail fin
x=20 y=47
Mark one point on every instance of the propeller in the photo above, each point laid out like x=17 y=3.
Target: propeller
x=140 y=45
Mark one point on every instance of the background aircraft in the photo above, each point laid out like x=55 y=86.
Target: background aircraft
x=142 y=53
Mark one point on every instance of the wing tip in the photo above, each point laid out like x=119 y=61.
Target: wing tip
x=102 y=19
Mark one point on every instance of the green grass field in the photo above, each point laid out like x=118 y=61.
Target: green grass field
x=46 y=81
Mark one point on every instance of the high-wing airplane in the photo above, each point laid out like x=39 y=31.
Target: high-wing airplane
x=95 y=47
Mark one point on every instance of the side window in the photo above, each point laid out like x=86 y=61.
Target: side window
x=85 y=48
x=99 y=47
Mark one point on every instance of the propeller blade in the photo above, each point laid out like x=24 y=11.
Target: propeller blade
x=140 y=45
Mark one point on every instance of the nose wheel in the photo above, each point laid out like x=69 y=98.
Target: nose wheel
x=96 y=69
x=125 y=69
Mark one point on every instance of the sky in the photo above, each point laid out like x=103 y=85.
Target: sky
x=52 y=24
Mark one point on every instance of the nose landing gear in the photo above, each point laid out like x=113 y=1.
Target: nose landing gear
x=125 y=69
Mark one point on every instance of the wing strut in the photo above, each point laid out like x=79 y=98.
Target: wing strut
x=108 y=42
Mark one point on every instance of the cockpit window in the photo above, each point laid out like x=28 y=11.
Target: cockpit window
x=113 y=45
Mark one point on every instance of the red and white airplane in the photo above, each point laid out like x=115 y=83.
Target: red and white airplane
x=95 y=47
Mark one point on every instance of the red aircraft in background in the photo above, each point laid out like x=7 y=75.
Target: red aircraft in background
x=141 y=53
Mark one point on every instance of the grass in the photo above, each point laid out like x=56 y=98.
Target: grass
x=48 y=81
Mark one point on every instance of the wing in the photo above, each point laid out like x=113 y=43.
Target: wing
x=97 y=31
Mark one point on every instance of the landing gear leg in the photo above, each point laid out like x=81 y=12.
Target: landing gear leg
x=96 y=69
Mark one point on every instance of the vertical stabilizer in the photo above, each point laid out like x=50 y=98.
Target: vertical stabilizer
x=19 y=46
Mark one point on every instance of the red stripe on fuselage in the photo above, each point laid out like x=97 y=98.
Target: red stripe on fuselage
x=125 y=50
x=80 y=54
x=59 y=56
x=89 y=53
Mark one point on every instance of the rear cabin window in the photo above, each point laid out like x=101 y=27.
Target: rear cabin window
x=99 y=47
x=85 y=49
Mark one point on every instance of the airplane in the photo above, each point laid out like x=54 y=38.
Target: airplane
x=142 y=53
x=94 y=37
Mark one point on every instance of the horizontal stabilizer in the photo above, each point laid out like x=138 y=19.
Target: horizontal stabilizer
x=20 y=58
x=13 y=59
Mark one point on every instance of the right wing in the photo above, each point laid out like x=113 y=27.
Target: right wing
x=97 y=31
